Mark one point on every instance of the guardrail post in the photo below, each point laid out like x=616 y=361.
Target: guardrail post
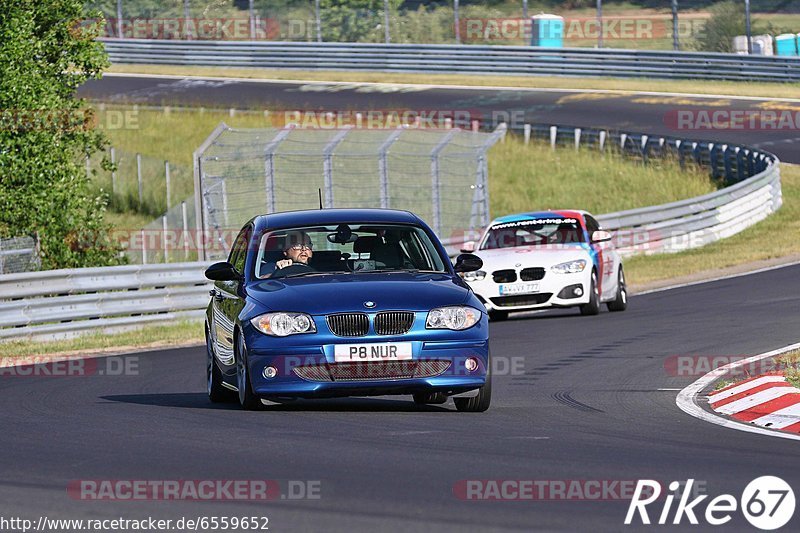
x=553 y=136
x=139 y=177
x=577 y=138
x=603 y=135
x=645 y=148
x=527 y=133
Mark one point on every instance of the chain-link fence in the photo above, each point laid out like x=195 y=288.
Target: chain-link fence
x=686 y=24
x=441 y=175
x=18 y=254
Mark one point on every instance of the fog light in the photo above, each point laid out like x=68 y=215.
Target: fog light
x=578 y=291
x=270 y=372
x=471 y=363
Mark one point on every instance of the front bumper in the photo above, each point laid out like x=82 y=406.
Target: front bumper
x=306 y=367
x=555 y=290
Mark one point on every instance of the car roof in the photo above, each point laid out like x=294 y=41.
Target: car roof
x=310 y=217
x=533 y=215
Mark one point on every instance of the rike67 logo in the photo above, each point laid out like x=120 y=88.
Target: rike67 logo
x=767 y=503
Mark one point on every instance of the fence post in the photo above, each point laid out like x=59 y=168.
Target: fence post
x=119 y=19
x=435 y=182
x=383 y=165
x=144 y=248
x=186 y=19
x=553 y=136
x=113 y=173
x=456 y=22
x=269 y=167
x=224 y=189
x=166 y=176
x=327 y=163
x=139 y=176
x=164 y=237
x=252 y=20
x=387 y=33
x=318 y=20
x=577 y=138
x=527 y=133
x=603 y=135
x=185 y=220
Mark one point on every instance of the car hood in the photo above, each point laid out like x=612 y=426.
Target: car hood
x=348 y=292
x=532 y=256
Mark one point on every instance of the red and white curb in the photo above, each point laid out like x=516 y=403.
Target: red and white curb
x=754 y=405
x=768 y=401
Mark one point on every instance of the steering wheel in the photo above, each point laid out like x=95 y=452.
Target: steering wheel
x=294 y=268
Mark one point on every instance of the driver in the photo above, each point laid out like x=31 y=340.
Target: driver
x=297 y=248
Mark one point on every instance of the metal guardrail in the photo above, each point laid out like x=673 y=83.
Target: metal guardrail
x=472 y=59
x=64 y=303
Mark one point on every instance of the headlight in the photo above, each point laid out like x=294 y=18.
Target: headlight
x=457 y=317
x=570 y=267
x=473 y=276
x=283 y=324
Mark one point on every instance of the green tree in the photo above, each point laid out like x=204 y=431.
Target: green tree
x=727 y=20
x=46 y=52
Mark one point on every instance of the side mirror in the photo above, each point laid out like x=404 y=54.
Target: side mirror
x=601 y=236
x=223 y=271
x=468 y=263
x=468 y=247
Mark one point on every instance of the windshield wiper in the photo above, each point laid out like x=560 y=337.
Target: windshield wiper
x=301 y=274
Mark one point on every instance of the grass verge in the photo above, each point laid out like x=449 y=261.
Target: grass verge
x=180 y=333
x=732 y=88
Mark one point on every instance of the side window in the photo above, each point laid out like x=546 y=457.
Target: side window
x=239 y=249
x=591 y=224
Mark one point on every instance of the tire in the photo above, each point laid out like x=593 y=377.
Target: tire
x=430 y=398
x=498 y=316
x=479 y=403
x=620 y=303
x=247 y=398
x=216 y=392
x=593 y=307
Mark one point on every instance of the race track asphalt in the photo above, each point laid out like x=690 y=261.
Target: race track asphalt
x=594 y=401
x=645 y=113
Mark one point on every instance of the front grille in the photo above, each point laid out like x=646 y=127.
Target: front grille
x=522 y=299
x=531 y=274
x=504 y=276
x=372 y=371
x=393 y=322
x=348 y=324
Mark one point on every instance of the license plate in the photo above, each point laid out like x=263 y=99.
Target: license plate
x=519 y=288
x=365 y=353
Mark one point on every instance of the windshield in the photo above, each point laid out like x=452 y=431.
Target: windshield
x=536 y=232
x=346 y=248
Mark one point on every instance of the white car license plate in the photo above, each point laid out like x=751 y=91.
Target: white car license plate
x=519 y=288
x=385 y=351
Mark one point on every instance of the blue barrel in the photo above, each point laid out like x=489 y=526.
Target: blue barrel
x=786 y=44
x=547 y=31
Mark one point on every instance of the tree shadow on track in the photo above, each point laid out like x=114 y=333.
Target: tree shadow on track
x=199 y=400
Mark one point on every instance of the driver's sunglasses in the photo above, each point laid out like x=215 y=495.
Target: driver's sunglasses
x=299 y=247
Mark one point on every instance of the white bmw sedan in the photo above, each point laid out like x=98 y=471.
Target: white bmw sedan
x=547 y=259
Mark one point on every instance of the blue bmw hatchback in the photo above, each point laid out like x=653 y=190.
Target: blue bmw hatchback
x=345 y=302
